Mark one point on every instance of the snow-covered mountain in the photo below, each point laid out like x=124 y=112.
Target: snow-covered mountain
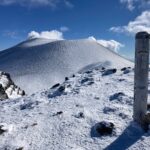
x=39 y=63
x=64 y=117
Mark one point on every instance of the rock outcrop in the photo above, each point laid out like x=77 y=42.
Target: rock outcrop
x=7 y=87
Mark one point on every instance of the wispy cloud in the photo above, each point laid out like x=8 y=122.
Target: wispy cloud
x=132 y=4
x=110 y=44
x=68 y=4
x=129 y=4
x=141 y=23
x=64 y=29
x=53 y=34
x=37 y=3
x=10 y=34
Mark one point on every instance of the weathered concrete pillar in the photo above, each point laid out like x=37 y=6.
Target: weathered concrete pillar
x=141 y=76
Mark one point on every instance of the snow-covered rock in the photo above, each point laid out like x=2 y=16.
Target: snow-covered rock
x=7 y=87
x=3 y=94
x=40 y=63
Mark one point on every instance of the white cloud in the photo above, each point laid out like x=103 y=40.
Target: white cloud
x=36 y=3
x=68 y=4
x=110 y=44
x=129 y=3
x=64 y=29
x=141 y=23
x=132 y=4
x=53 y=34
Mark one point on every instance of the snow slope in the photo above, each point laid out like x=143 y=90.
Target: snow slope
x=51 y=119
x=39 y=63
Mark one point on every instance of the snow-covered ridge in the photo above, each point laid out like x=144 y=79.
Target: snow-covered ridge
x=7 y=87
x=35 y=42
x=38 y=63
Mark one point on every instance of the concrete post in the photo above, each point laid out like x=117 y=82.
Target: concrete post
x=141 y=76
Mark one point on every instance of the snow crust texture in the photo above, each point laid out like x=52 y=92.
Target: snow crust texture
x=64 y=117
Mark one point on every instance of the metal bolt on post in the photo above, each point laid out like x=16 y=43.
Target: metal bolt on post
x=141 y=76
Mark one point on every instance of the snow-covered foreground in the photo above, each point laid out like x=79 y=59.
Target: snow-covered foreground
x=62 y=118
x=39 y=63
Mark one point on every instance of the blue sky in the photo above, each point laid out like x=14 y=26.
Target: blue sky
x=106 y=20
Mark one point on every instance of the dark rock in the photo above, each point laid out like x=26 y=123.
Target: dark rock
x=58 y=92
x=120 y=80
x=103 y=68
x=77 y=105
x=20 y=148
x=80 y=115
x=123 y=69
x=66 y=78
x=23 y=93
x=3 y=95
x=89 y=71
x=88 y=80
x=109 y=72
x=34 y=124
x=90 y=83
x=96 y=97
x=148 y=106
x=126 y=70
x=55 y=86
x=58 y=113
x=117 y=96
x=107 y=110
x=61 y=88
x=28 y=105
x=123 y=116
x=84 y=80
x=104 y=128
x=73 y=75
x=2 y=130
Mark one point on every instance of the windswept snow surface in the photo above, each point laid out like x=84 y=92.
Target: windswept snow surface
x=39 y=63
x=52 y=120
